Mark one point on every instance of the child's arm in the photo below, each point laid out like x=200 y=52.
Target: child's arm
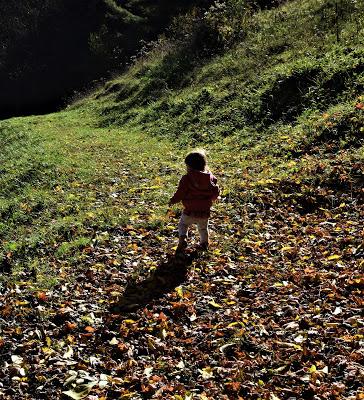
x=215 y=188
x=180 y=192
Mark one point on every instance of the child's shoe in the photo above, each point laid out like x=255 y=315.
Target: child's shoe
x=182 y=245
x=203 y=246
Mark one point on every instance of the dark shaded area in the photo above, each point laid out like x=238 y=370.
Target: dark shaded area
x=5 y=266
x=291 y=95
x=50 y=49
x=167 y=276
x=342 y=81
x=286 y=99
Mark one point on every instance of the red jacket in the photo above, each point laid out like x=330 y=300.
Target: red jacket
x=197 y=190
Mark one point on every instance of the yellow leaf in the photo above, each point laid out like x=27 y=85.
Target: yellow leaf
x=312 y=369
x=145 y=188
x=82 y=391
x=47 y=350
x=206 y=373
x=129 y=321
x=21 y=303
x=214 y=304
x=286 y=248
x=232 y=324
x=334 y=257
x=128 y=395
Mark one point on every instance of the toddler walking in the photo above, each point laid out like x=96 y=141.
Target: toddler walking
x=197 y=190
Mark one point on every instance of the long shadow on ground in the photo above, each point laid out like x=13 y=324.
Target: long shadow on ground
x=165 y=278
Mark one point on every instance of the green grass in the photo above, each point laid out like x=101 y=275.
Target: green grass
x=68 y=179
x=278 y=108
x=282 y=72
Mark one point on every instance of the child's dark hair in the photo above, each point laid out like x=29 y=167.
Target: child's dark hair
x=196 y=160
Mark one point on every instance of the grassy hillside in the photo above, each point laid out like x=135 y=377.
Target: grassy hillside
x=291 y=91
x=92 y=298
x=293 y=62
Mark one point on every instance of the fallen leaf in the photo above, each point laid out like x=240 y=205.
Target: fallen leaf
x=81 y=392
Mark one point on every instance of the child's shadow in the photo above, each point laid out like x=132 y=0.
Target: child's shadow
x=166 y=277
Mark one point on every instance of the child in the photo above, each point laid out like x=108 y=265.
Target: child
x=197 y=190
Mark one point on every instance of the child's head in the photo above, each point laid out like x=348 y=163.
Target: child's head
x=196 y=160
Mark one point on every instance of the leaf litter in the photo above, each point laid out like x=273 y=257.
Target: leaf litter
x=272 y=311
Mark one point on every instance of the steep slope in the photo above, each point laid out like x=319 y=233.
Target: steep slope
x=277 y=72
x=285 y=90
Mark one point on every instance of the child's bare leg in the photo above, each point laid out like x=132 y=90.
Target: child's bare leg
x=203 y=230
x=182 y=233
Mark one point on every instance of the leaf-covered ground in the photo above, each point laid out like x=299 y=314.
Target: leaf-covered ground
x=272 y=311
